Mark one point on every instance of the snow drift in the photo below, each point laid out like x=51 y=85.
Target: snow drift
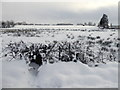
x=60 y=75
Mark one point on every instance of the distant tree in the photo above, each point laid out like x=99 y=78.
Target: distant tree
x=80 y=24
x=85 y=23
x=12 y=24
x=24 y=23
x=111 y=25
x=3 y=24
x=90 y=24
x=104 y=21
x=7 y=24
x=0 y=24
x=19 y=23
x=94 y=24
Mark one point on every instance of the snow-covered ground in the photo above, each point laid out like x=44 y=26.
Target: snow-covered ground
x=0 y=63
x=60 y=75
x=54 y=27
x=50 y=36
x=15 y=73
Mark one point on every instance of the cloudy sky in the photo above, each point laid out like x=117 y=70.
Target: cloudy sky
x=61 y=12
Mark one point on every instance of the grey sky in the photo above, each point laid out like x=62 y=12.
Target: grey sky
x=57 y=12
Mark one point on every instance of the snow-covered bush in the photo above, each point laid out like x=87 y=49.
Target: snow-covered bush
x=64 y=51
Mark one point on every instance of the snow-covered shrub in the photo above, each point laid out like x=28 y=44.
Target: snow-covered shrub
x=64 y=51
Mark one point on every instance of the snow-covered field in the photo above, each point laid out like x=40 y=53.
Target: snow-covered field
x=15 y=72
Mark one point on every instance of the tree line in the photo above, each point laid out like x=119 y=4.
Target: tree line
x=103 y=23
x=7 y=24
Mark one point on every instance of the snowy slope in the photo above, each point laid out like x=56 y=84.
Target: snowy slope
x=60 y=75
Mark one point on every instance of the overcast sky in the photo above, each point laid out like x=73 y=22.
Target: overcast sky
x=61 y=12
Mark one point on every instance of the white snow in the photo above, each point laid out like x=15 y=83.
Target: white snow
x=15 y=73
x=0 y=63
x=71 y=75
x=50 y=36
x=54 y=27
x=60 y=75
